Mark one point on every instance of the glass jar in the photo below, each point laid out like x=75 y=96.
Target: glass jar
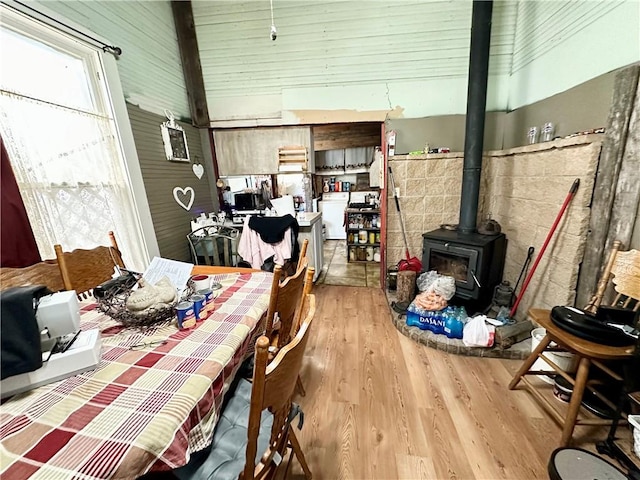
x=352 y=254
x=547 y=132
x=369 y=257
x=372 y=237
x=363 y=236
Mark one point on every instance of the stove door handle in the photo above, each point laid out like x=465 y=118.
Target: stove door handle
x=475 y=279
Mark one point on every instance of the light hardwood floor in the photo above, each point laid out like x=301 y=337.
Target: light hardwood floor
x=380 y=406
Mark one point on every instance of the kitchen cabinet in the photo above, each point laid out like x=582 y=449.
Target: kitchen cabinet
x=363 y=235
x=311 y=229
x=254 y=151
x=344 y=161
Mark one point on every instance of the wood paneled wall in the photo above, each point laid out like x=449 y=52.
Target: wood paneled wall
x=171 y=222
x=346 y=135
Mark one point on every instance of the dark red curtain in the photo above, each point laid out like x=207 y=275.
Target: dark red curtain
x=17 y=244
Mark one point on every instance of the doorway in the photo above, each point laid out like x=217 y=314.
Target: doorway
x=339 y=271
x=347 y=157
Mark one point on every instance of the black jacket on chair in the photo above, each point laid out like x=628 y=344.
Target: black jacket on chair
x=273 y=229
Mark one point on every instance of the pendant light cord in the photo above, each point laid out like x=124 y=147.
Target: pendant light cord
x=272 y=22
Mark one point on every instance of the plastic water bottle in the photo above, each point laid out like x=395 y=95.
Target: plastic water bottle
x=452 y=324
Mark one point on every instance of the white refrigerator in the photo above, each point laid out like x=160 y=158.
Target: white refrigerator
x=332 y=206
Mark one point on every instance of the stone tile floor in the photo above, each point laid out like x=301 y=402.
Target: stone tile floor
x=338 y=271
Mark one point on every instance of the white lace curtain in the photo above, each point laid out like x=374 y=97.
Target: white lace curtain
x=64 y=151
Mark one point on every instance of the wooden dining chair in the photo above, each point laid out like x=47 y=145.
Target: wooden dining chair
x=214 y=245
x=287 y=302
x=42 y=273
x=303 y=253
x=623 y=270
x=254 y=431
x=82 y=269
x=285 y=298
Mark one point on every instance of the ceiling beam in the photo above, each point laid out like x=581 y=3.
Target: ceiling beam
x=191 y=67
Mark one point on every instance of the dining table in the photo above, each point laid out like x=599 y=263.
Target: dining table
x=152 y=401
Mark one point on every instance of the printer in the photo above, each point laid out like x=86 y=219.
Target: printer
x=66 y=350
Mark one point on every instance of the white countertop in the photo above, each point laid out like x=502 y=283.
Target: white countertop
x=305 y=219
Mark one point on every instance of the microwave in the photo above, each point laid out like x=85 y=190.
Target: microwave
x=249 y=201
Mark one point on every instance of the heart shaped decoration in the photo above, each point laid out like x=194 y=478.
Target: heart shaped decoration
x=184 y=192
x=198 y=170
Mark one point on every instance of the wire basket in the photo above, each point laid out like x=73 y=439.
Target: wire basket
x=114 y=302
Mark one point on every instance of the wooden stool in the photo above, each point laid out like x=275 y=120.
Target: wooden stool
x=588 y=353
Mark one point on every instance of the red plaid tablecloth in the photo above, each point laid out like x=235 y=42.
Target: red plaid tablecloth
x=140 y=410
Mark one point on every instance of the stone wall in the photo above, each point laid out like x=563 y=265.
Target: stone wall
x=523 y=189
x=430 y=188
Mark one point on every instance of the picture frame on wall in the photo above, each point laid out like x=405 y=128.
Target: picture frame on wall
x=174 y=140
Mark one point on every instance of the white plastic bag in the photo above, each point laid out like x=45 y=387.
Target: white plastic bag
x=442 y=285
x=425 y=280
x=477 y=333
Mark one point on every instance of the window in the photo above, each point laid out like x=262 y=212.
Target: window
x=57 y=123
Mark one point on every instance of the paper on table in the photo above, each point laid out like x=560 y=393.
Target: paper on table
x=178 y=273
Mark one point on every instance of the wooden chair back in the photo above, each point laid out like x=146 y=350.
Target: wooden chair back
x=284 y=300
x=82 y=270
x=622 y=271
x=215 y=245
x=42 y=273
x=303 y=307
x=273 y=387
x=303 y=253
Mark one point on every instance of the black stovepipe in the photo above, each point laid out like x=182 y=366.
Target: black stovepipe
x=476 y=107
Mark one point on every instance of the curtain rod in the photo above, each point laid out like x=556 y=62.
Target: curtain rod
x=116 y=51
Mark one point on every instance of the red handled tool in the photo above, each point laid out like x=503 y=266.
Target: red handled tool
x=570 y=195
x=411 y=263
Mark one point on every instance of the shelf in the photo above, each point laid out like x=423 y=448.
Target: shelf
x=363 y=244
x=338 y=172
x=375 y=229
x=362 y=261
x=635 y=396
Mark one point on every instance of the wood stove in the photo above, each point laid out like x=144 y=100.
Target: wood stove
x=475 y=261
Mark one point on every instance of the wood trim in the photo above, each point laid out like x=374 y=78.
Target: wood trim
x=346 y=135
x=191 y=67
x=611 y=159
x=384 y=195
x=627 y=192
